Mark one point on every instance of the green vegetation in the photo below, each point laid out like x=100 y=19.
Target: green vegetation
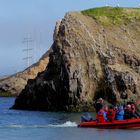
x=6 y=94
x=113 y=15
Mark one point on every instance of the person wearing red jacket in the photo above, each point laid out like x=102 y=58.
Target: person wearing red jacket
x=133 y=108
x=101 y=116
x=111 y=114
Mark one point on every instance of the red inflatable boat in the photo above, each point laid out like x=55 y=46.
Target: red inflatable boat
x=116 y=124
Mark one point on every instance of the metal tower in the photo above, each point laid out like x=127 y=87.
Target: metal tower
x=28 y=41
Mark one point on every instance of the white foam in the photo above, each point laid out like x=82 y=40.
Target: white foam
x=66 y=124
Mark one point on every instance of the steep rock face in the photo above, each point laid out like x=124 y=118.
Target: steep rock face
x=89 y=60
x=14 y=84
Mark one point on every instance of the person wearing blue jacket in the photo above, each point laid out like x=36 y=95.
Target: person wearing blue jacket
x=120 y=113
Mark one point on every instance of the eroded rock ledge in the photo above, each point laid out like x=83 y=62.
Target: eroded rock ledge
x=89 y=60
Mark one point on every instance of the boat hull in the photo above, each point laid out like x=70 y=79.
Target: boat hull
x=117 y=124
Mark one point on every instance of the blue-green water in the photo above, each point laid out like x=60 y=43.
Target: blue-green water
x=30 y=125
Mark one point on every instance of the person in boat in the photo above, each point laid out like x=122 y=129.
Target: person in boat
x=101 y=115
x=128 y=113
x=130 y=102
x=106 y=108
x=120 y=113
x=116 y=108
x=133 y=108
x=98 y=105
x=111 y=114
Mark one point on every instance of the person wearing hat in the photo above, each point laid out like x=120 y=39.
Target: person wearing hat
x=133 y=108
x=128 y=113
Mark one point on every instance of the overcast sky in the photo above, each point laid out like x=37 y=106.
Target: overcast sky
x=36 y=19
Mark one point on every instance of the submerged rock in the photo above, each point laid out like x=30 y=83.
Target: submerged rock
x=90 y=59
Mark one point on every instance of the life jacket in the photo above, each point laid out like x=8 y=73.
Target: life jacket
x=101 y=116
x=111 y=115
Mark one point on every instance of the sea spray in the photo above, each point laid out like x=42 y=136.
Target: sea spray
x=66 y=124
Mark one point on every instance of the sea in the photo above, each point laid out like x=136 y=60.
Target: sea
x=36 y=125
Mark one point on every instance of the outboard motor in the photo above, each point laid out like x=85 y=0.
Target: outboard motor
x=86 y=117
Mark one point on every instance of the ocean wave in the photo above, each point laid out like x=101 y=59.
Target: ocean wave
x=66 y=124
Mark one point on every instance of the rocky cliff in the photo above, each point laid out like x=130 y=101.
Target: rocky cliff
x=96 y=53
x=14 y=84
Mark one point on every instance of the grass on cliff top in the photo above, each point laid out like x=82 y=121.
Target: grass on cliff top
x=113 y=15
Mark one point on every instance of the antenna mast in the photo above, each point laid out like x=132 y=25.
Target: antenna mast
x=28 y=42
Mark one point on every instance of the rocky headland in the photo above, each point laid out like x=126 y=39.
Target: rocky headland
x=96 y=53
x=14 y=84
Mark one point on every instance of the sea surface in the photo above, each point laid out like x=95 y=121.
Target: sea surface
x=35 y=125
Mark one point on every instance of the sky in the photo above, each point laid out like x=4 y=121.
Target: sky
x=34 y=20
